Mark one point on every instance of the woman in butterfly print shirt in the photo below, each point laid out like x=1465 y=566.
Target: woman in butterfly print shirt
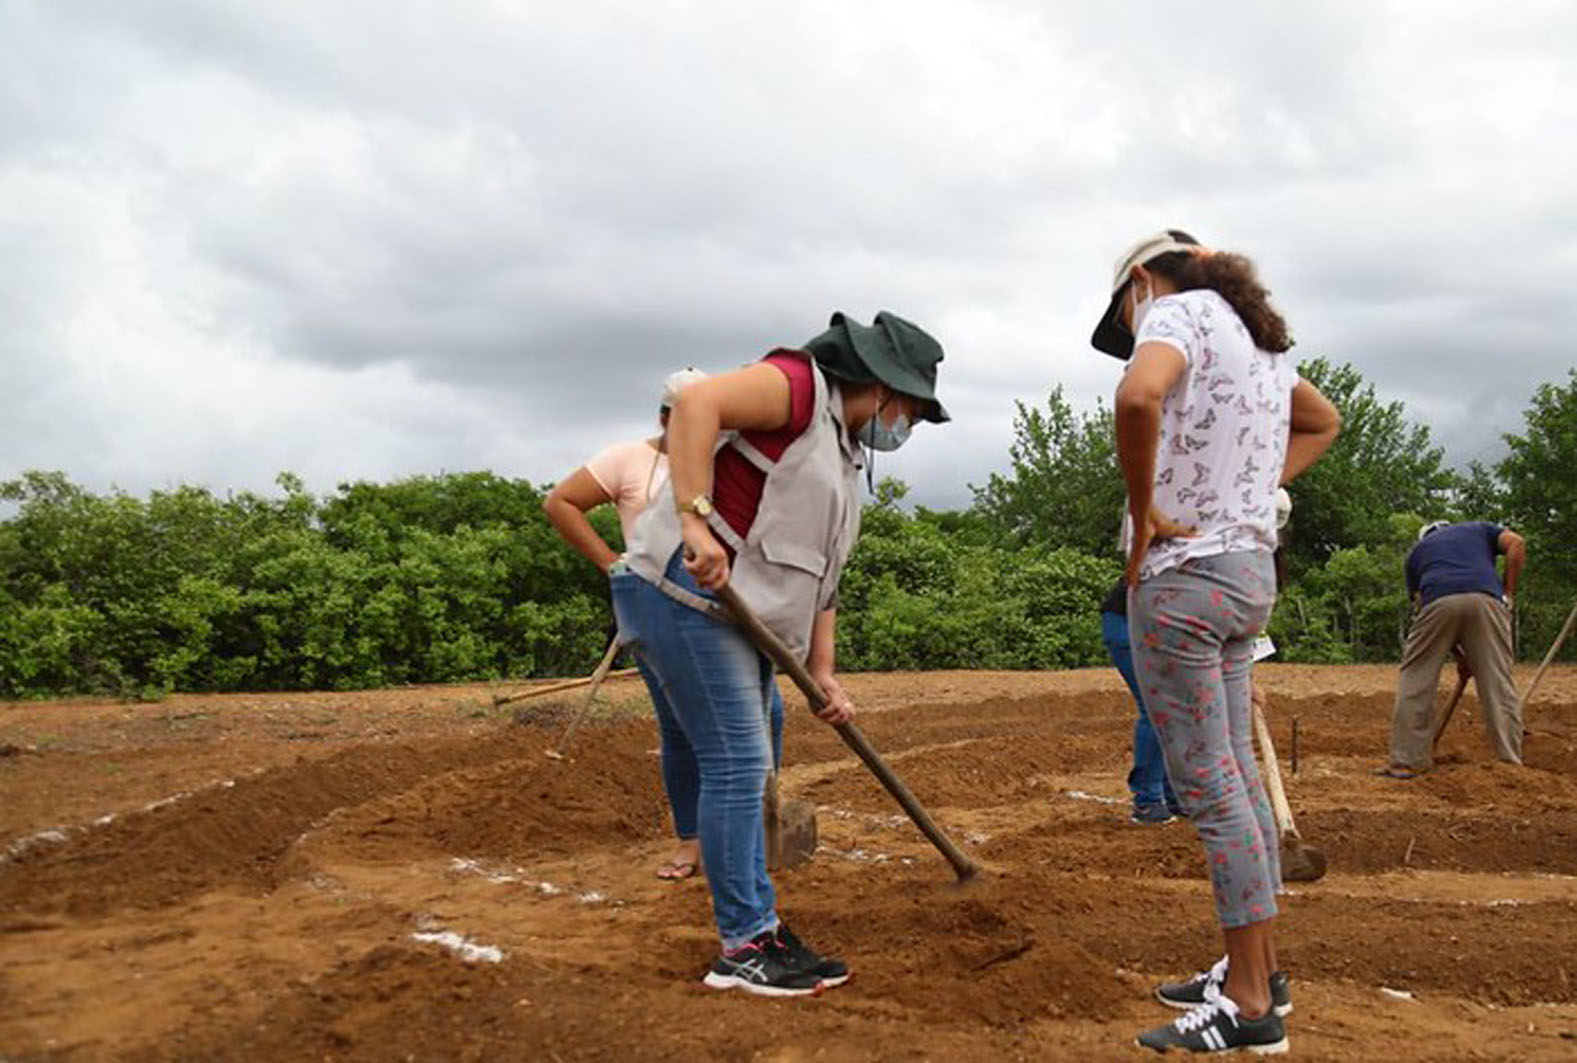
x=1211 y=419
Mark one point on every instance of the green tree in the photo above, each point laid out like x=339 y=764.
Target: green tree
x=1538 y=478
x=1064 y=487
x=1382 y=464
x=915 y=596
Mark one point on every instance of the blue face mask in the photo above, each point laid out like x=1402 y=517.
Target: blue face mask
x=881 y=436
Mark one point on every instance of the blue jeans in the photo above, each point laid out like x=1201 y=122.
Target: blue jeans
x=1147 y=779
x=681 y=772
x=712 y=689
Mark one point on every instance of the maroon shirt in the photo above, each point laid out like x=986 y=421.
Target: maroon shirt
x=736 y=483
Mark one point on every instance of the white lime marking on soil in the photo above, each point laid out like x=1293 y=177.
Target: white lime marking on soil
x=467 y=866
x=466 y=950
x=1397 y=994
x=1080 y=795
x=55 y=835
x=50 y=836
x=890 y=822
x=548 y=889
x=859 y=856
x=591 y=897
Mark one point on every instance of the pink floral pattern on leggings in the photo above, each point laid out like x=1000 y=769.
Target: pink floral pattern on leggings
x=1192 y=628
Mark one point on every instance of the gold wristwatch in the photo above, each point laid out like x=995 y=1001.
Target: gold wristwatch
x=700 y=505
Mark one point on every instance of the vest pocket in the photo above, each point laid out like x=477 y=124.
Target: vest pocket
x=796 y=555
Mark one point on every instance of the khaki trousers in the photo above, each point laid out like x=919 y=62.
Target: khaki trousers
x=1481 y=625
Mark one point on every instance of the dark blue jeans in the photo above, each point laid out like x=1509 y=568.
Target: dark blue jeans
x=1147 y=779
x=714 y=692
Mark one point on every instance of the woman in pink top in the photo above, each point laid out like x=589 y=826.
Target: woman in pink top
x=626 y=474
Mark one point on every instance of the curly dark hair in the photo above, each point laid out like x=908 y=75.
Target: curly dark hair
x=1234 y=278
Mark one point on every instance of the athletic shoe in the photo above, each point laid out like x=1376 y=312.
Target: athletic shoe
x=832 y=973
x=1151 y=815
x=1218 y=1026
x=1198 y=989
x=763 y=967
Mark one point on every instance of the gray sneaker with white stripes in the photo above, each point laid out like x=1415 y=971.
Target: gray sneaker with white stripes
x=1218 y=1026
x=1193 y=992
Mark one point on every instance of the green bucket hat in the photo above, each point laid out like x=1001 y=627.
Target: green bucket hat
x=890 y=350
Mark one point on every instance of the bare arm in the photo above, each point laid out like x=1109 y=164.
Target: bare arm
x=566 y=506
x=821 y=663
x=1154 y=371
x=1516 y=552
x=1315 y=425
x=756 y=397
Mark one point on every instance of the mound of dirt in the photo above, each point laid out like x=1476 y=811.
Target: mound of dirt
x=1096 y=719
x=981 y=953
x=516 y=808
x=1370 y=841
x=1074 y=837
x=228 y=835
x=430 y=1005
x=977 y=774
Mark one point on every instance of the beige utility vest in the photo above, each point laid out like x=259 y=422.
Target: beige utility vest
x=787 y=567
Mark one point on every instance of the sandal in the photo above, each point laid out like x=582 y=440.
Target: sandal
x=678 y=870
x=1397 y=771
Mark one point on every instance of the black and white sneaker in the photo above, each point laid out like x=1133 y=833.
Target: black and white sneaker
x=762 y=967
x=832 y=972
x=1196 y=990
x=1218 y=1026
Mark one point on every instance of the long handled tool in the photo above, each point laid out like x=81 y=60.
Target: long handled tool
x=1555 y=647
x=558 y=688
x=773 y=647
x=1299 y=862
x=557 y=752
x=1451 y=707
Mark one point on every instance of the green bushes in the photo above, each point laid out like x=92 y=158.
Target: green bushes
x=423 y=580
x=436 y=579
x=916 y=596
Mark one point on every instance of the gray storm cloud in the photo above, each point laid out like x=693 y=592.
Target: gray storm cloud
x=370 y=240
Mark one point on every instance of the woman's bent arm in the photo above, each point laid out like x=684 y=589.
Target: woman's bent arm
x=1315 y=424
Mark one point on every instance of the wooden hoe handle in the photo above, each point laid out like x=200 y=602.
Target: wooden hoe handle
x=1278 y=792
x=773 y=647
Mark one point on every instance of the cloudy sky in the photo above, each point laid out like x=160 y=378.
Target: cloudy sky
x=374 y=238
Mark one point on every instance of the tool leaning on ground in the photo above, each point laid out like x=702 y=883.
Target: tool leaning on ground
x=769 y=644
x=559 y=688
x=1299 y=862
x=1451 y=707
x=557 y=752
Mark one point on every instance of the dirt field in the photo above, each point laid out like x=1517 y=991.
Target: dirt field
x=244 y=878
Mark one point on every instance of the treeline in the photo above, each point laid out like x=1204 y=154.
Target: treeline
x=456 y=577
x=424 y=580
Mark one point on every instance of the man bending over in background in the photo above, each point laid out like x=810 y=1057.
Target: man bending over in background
x=1461 y=601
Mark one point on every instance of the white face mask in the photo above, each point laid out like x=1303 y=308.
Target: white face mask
x=1141 y=307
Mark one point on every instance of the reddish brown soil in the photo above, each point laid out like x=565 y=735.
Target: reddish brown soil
x=239 y=878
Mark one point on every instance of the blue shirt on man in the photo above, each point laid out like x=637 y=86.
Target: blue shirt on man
x=1457 y=559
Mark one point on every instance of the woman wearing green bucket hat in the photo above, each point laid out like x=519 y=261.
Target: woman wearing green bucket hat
x=761 y=496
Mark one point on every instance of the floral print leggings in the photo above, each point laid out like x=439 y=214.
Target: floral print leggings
x=1192 y=629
